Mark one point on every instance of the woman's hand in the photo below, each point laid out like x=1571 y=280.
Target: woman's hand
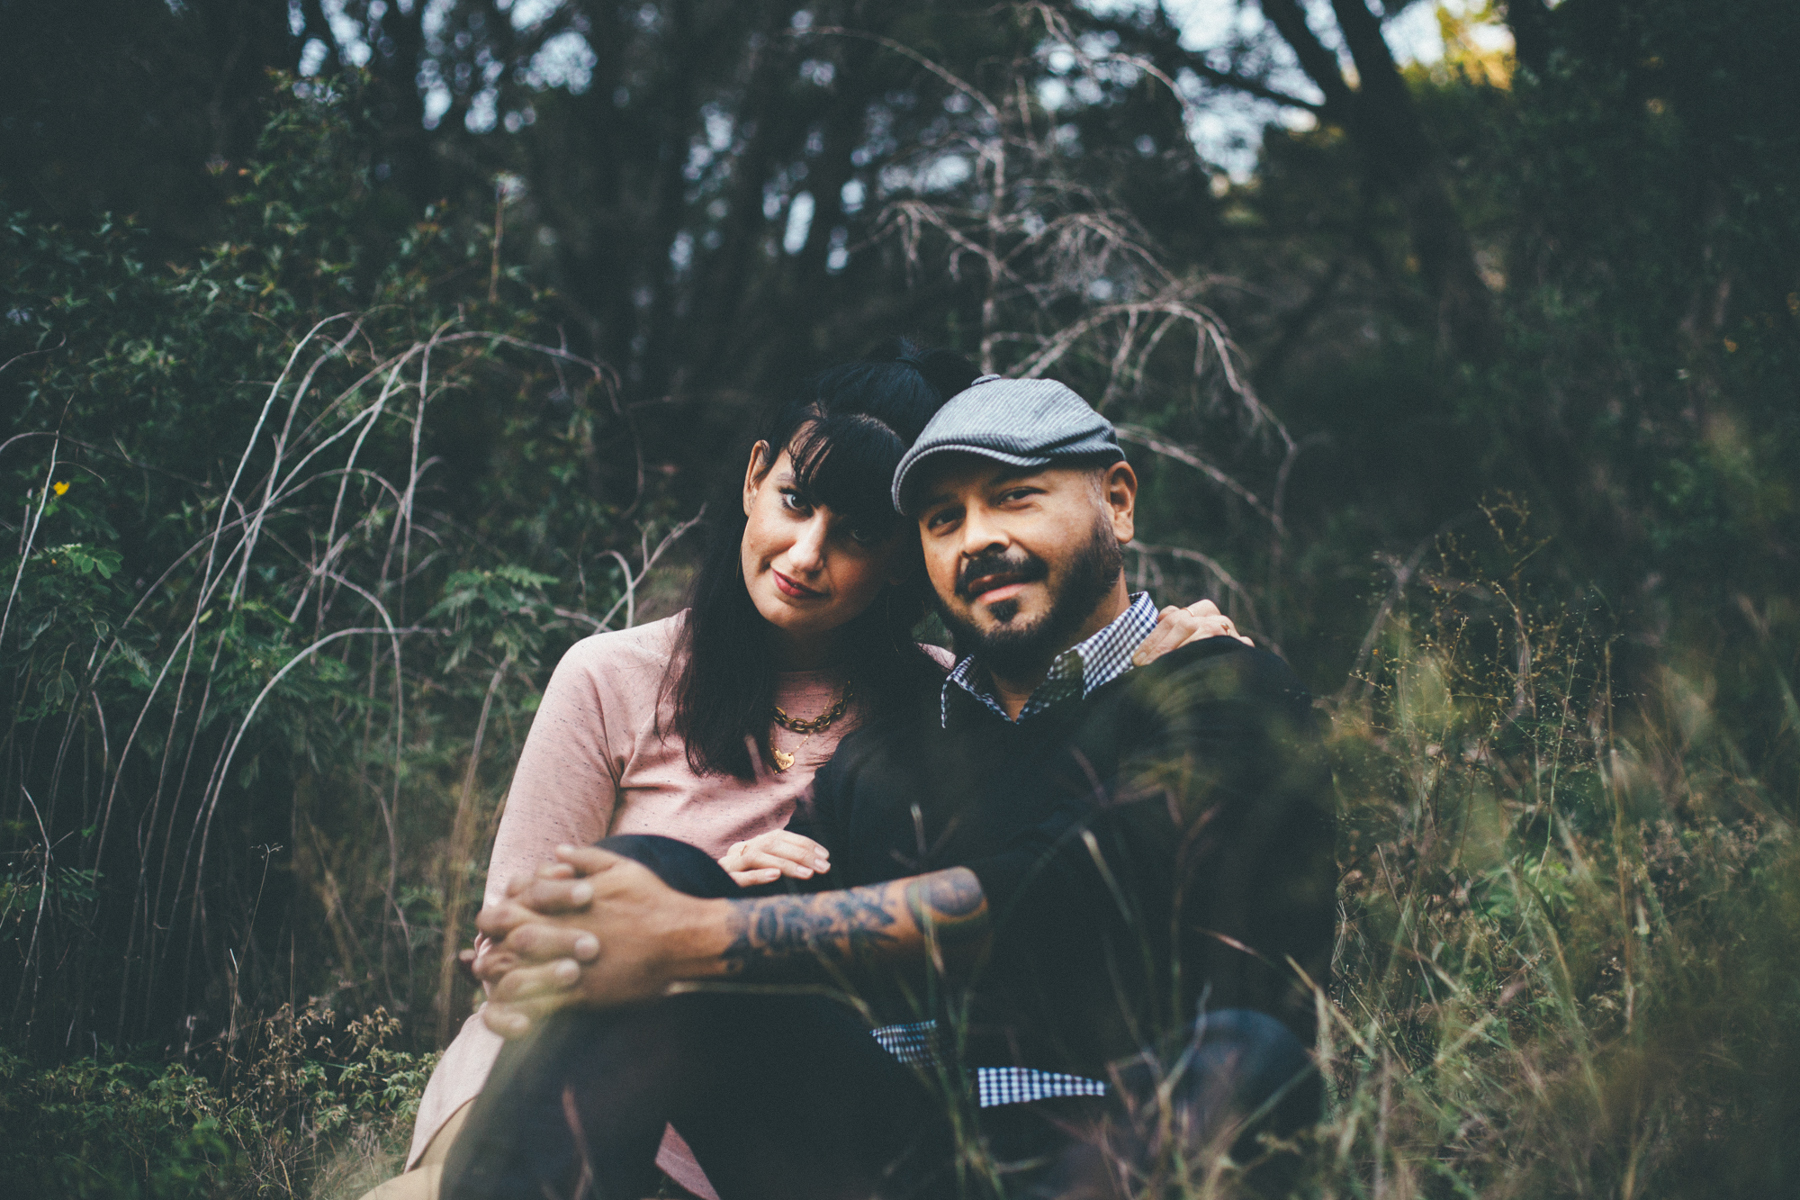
x=768 y=856
x=1177 y=627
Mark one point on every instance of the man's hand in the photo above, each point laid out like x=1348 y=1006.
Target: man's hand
x=594 y=929
x=1176 y=627
x=597 y=929
x=516 y=936
x=768 y=856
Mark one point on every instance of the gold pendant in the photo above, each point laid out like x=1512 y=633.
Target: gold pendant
x=783 y=760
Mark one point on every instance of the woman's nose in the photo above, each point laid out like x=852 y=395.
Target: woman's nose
x=808 y=551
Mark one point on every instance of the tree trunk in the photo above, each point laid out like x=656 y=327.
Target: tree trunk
x=1382 y=122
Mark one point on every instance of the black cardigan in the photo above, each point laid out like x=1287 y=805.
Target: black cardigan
x=1164 y=844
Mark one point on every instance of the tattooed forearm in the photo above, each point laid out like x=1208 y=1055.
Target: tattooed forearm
x=951 y=910
x=837 y=927
x=859 y=927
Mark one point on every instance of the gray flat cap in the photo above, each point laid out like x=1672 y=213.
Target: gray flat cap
x=1022 y=422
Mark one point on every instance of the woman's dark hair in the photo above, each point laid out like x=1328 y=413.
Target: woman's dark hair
x=845 y=431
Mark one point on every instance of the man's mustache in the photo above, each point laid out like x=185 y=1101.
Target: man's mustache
x=997 y=569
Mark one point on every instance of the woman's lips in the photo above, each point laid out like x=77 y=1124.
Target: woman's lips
x=797 y=591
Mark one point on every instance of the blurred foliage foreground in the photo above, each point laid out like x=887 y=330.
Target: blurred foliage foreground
x=270 y=651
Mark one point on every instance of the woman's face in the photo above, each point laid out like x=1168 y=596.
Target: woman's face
x=808 y=569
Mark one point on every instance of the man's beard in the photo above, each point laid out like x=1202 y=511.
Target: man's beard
x=1021 y=650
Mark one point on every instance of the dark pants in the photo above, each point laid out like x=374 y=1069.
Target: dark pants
x=779 y=1095
x=786 y=1095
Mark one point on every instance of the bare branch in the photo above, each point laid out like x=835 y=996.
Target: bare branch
x=1182 y=454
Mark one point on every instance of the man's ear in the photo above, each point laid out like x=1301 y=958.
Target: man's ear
x=1119 y=487
x=759 y=466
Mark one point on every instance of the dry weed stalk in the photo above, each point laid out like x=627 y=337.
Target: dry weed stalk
x=299 y=586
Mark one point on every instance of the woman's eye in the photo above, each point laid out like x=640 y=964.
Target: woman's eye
x=792 y=501
x=864 y=537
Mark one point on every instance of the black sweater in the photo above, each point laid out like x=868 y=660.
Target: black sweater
x=1165 y=843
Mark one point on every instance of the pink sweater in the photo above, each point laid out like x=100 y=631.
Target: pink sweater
x=593 y=766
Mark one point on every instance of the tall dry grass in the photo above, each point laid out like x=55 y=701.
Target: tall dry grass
x=1570 y=911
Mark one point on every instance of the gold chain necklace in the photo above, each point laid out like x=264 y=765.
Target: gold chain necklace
x=784 y=759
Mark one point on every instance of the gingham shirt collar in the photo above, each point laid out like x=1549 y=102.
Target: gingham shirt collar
x=1074 y=674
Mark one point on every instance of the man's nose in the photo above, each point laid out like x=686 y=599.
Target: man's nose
x=981 y=533
x=808 y=551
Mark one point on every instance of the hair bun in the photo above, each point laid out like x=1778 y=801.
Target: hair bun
x=945 y=370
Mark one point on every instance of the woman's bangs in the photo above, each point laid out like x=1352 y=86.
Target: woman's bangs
x=846 y=463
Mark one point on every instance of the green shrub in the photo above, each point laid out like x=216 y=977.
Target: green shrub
x=316 y=1100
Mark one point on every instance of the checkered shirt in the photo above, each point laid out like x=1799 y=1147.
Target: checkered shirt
x=916 y=1045
x=1075 y=673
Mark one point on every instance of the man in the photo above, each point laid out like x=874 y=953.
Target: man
x=1074 y=866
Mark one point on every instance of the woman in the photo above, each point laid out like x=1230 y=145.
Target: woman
x=707 y=726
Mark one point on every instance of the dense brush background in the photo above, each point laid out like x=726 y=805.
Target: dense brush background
x=358 y=356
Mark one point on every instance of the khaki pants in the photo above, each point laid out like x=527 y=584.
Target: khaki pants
x=421 y=1183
